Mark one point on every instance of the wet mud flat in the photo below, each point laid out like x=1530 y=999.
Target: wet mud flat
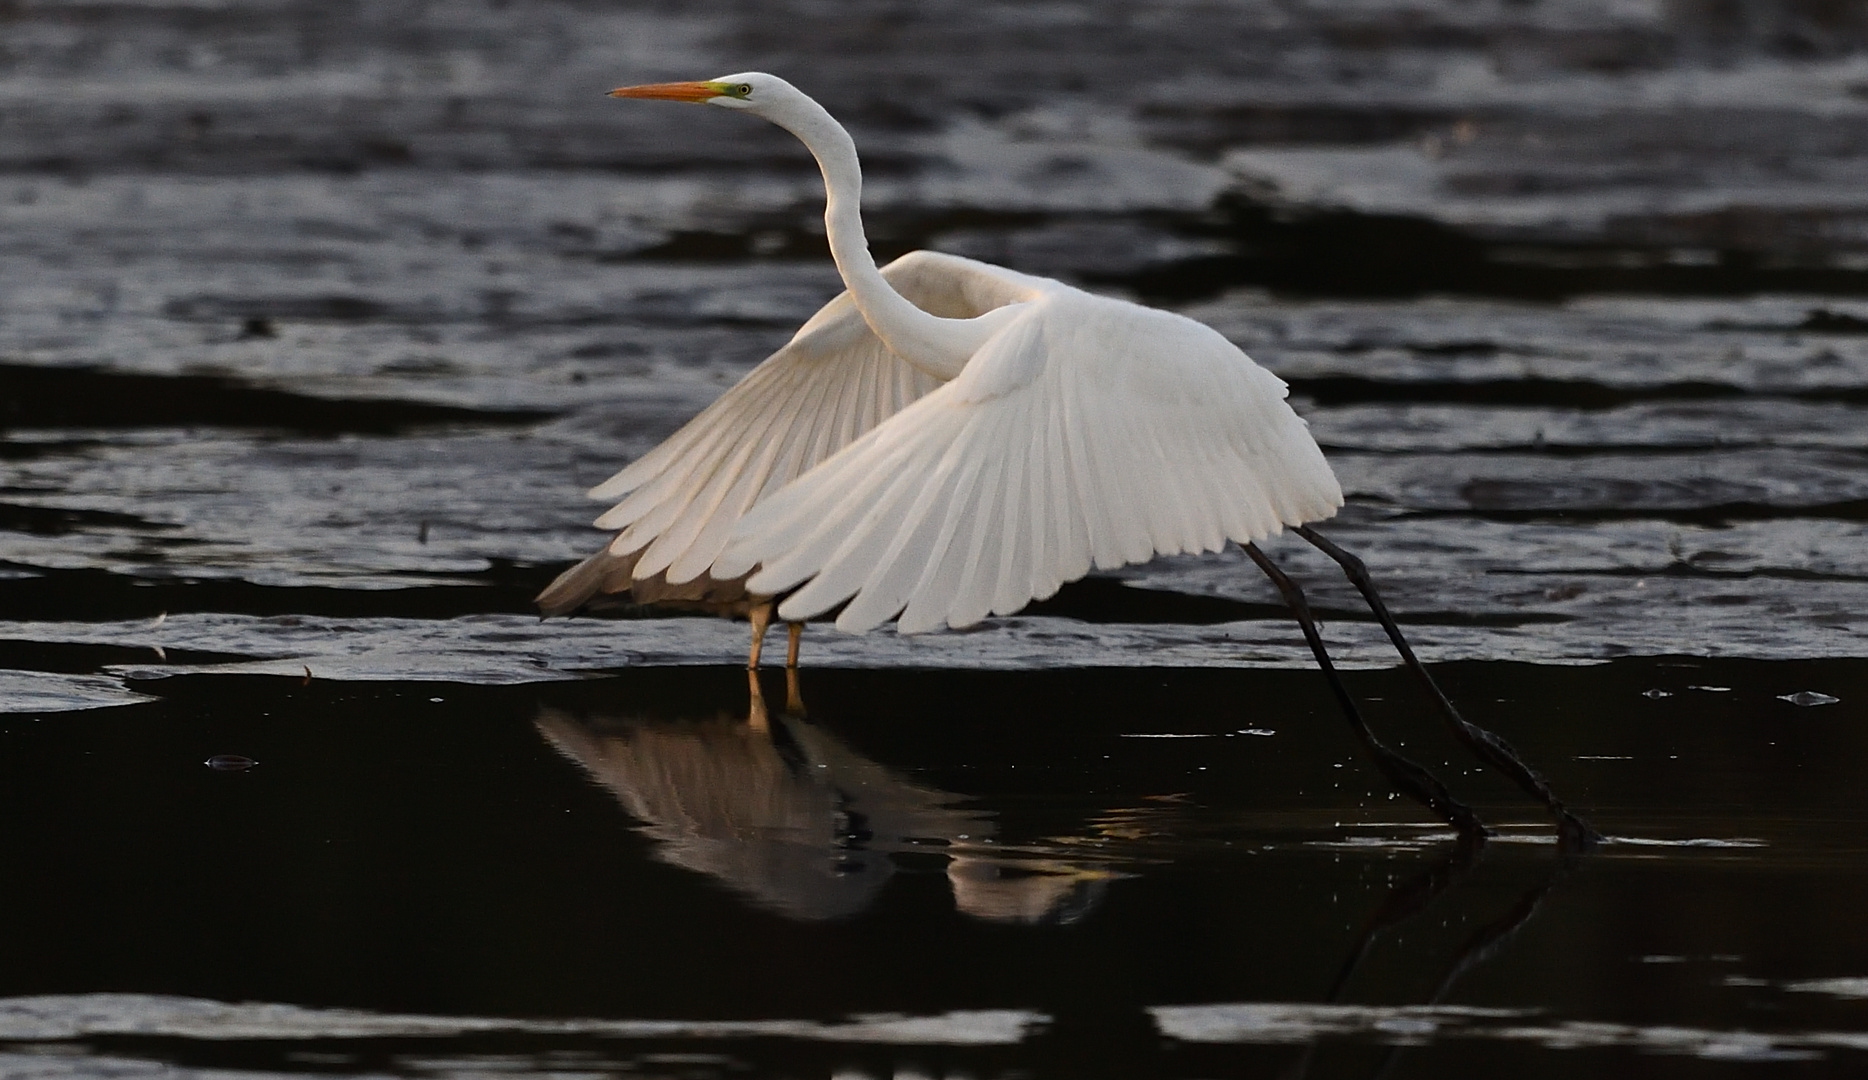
x=317 y=320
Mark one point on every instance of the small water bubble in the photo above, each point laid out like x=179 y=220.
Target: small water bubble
x=1656 y=694
x=230 y=763
x=1809 y=697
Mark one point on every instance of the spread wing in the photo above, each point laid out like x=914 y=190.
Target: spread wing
x=1090 y=432
x=831 y=383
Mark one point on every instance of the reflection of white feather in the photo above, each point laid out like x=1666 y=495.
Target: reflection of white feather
x=806 y=831
x=809 y=838
x=1001 y=890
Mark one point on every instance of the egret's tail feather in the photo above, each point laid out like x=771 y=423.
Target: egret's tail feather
x=606 y=574
x=599 y=575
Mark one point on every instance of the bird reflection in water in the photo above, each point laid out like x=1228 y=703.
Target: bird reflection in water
x=786 y=815
x=1407 y=901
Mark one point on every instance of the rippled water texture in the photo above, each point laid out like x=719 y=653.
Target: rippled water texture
x=316 y=320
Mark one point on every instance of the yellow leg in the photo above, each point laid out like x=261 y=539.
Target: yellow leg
x=761 y=617
x=755 y=705
x=794 y=632
x=794 y=701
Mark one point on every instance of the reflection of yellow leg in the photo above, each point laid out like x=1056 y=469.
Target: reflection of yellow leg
x=761 y=617
x=755 y=705
x=794 y=701
x=794 y=632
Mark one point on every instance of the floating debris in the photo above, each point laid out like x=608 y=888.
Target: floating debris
x=230 y=763
x=1809 y=697
x=1656 y=694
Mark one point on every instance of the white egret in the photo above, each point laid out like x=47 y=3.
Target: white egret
x=948 y=440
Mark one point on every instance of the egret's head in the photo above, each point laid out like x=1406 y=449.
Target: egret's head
x=753 y=91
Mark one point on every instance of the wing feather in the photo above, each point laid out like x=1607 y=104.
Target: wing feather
x=1019 y=543
x=891 y=576
x=811 y=539
x=1069 y=532
x=954 y=553
x=739 y=466
x=971 y=593
x=675 y=506
x=1103 y=435
x=671 y=471
x=1089 y=484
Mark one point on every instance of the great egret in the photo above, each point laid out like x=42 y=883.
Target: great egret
x=949 y=439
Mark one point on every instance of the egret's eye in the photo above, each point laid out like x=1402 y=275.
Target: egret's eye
x=743 y=90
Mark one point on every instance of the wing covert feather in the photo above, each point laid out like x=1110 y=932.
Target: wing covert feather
x=1090 y=433
x=833 y=382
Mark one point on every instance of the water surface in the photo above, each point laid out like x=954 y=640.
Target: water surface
x=316 y=321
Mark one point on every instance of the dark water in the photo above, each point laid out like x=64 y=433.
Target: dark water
x=317 y=319
x=1110 y=872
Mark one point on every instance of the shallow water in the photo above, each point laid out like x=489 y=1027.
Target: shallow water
x=1107 y=872
x=317 y=320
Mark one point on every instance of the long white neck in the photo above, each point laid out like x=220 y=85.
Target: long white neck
x=941 y=347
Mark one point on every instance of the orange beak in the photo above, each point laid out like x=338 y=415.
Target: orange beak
x=696 y=92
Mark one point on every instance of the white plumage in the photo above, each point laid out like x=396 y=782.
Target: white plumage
x=948 y=440
x=1087 y=432
x=832 y=382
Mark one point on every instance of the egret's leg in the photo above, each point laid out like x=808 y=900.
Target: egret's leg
x=1486 y=745
x=760 y=616
x=794 y=700
x=756 y=717
x=794 y=633
x=1415 y=781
